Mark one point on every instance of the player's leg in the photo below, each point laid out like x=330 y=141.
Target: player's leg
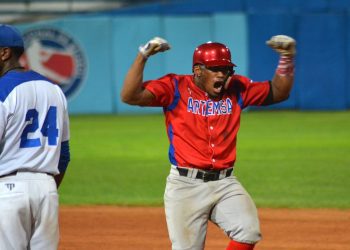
x=237 y=215
x=45 y=207
x=187 y=208
x=15 y=215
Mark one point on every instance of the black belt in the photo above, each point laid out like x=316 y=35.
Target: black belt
x=15 y=172
x=206 y=175
x=9 y=174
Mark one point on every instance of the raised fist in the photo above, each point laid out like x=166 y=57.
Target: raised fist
x=284 y=45
x=154 y=46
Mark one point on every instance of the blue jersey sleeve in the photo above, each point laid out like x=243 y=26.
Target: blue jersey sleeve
x=64 y=157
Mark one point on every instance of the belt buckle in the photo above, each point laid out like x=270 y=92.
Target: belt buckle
x=209 y=176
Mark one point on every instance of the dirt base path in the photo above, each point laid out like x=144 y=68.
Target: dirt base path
x=126 y=228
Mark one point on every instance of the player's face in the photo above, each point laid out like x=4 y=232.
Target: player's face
x=214 y=78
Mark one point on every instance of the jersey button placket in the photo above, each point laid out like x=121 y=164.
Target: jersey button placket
x=211 y=144
x=211 y=132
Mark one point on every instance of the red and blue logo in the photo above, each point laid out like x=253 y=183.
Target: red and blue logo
x=56 y=55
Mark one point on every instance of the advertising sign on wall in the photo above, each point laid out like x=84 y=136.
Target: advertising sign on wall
x=56 y=55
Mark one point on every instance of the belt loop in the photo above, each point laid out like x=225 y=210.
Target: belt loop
x=223 y=173
x=189 y=172
x=193 y=173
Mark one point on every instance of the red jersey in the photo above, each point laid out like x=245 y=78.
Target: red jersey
x=202 y=131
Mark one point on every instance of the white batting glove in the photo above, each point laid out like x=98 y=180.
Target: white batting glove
x=154 y=46
x=284 y=45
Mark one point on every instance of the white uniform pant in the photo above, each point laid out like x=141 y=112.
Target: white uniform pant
x=190 y=203
x=28 y=212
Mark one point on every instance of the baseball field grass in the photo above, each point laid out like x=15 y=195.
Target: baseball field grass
x=285 y=159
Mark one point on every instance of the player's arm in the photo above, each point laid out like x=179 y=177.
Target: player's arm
x=283 y=79
x=132 y=92
x=63 y=162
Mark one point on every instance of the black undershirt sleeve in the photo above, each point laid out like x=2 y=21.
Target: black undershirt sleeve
x=269 y=98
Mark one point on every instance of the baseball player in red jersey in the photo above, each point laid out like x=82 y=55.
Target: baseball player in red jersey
x=202 y=116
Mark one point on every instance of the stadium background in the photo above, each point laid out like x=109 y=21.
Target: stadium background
x=109 y=40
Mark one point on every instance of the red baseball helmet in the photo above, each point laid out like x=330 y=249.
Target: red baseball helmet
x=212 y=54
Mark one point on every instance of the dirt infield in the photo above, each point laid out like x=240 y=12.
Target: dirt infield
x=125 y=228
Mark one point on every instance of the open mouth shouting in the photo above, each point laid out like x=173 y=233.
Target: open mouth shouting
x=218 y=87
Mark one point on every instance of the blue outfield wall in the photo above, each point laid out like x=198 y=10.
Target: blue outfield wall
x=262 y=61
x=110 y=44
x=347 y=61
x=322 y=69
x=321 y=76
x=128 y=33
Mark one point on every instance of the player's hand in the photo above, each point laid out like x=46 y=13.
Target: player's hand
x=154 y=46
x=284 y=45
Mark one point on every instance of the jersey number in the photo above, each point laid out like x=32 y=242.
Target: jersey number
x=49 y=128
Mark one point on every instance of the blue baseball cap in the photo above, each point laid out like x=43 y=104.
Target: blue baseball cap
x=10 y=36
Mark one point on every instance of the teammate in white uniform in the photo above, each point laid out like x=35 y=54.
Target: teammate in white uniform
x=34 y=151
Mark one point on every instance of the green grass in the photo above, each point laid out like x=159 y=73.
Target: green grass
x=285 y=159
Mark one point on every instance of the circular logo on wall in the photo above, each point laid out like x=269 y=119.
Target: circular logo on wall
x=56 y=55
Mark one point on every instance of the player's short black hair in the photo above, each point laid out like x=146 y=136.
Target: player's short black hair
x=17 y=51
